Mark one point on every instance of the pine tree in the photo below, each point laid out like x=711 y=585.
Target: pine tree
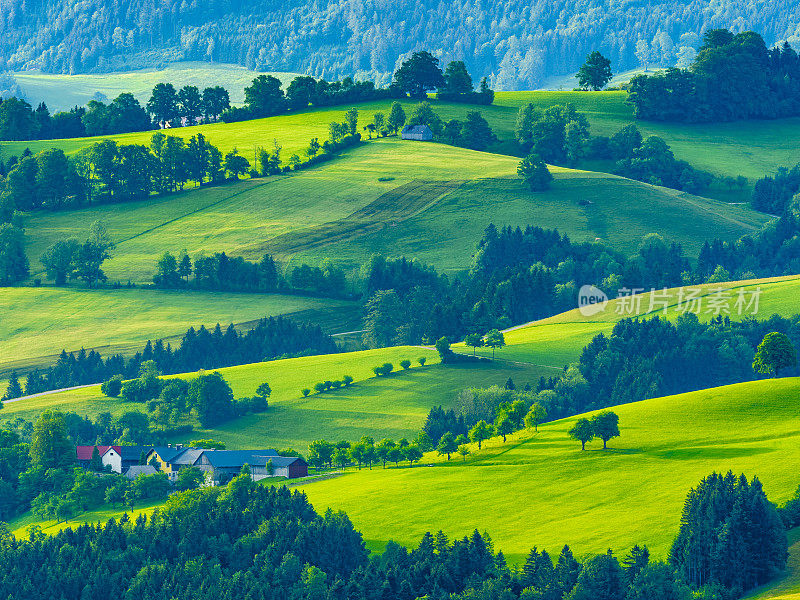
x=14 y=389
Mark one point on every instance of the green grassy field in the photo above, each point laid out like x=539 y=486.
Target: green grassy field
x=558 y=340
x=37 y=323
x=62 y=92
x=542 y=490
x=393 y=406
x=385 y=197
x=751 y=148
x=19 y=526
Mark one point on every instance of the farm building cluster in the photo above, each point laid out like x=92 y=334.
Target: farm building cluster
x=220 y=466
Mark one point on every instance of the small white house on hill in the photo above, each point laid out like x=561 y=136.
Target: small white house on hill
x=421 y=133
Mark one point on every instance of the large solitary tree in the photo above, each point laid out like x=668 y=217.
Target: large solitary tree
x=775 y=352
x=419 y=74
x=595 y=73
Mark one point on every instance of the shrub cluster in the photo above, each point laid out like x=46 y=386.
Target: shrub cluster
x=328 y=385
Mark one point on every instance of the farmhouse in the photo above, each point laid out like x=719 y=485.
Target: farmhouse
x=117 y=458
x=122 y=458
x=222 y=465
x=83 y=454
x=421 y=133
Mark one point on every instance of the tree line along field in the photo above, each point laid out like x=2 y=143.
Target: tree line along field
x=393 y=406
x=37 y=323
x=62 y=92
x=750 y=148
x=355 y=206
x=558 y=340
x=592 y=500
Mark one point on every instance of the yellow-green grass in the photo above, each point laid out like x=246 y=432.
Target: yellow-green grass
x=37 y=323
x=354 y=207
x=787 y=586
x=393 y=406
x=749 y=148
x=19 y=526
x=62 y=92
x=286 y=377
x=540 y=489
x=558 y=340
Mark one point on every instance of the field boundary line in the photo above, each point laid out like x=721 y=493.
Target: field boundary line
x=201 y=209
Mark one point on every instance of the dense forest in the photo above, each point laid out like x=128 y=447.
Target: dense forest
x=516 y=44
x=711 y=90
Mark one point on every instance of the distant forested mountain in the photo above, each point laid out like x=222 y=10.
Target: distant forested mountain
x=516 y=43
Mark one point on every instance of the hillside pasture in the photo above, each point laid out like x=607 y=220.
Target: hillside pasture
x=421 y=200
x=751 y=148
x=541 y=490
x=558 y=340
x=37 y=323
x=62 y=92
x=393 y=406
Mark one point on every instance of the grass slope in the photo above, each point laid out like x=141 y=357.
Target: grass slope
x=19 y=526
x=542 y=490
x=750 y=148
x=62 y=92
x=385 y=197
x=37 y=323
x=558 y=340
x=393 y=406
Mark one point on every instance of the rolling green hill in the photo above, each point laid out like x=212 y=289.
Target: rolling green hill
x=542 y=490
x=385 y=196
x=393 y=406
x=558 y=340
x=37 y=323
x=751 y=148
x=62 y=92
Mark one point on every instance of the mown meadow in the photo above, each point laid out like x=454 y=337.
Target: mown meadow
x=360 y=205
x=541 y=489
x=558 y=340
x=37 y=323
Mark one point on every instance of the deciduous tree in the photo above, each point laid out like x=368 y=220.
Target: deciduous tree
x=595 y=73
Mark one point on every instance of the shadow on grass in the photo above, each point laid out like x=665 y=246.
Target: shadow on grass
x=715 y=452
